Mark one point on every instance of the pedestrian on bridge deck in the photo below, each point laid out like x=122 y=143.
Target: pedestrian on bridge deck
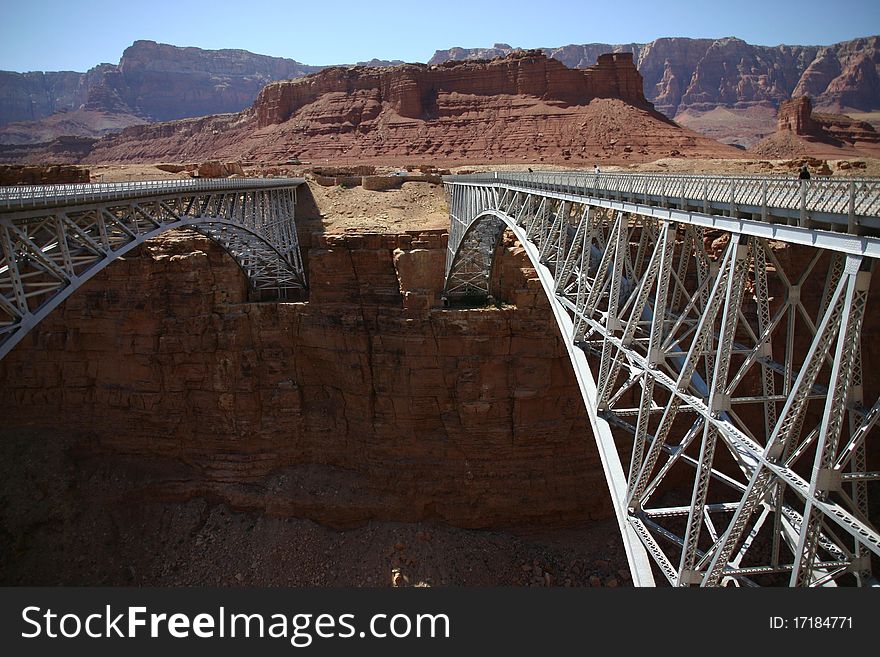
x=804 y=174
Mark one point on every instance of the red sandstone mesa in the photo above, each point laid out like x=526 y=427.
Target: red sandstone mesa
x=523 y=107
x=161 y=82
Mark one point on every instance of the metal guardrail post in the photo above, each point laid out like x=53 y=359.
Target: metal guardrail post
x=763 y=200
x=851 y=210
x=732 y=186
x=803 y=204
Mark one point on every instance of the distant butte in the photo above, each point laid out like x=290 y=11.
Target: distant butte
x=801 y=132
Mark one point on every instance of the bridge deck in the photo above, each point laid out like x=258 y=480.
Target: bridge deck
x=20 y=197
x=847 y=204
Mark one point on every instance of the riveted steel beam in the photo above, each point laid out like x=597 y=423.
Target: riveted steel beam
x=742 y=368
x=53 y=238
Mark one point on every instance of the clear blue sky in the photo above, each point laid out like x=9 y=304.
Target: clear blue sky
x=78 y=34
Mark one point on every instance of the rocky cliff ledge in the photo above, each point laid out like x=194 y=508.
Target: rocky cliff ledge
x=701 y=74
x=154 y=80
x=415 y=90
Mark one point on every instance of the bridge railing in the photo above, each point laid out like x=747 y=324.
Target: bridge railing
x=850 y=203
x=33 y=196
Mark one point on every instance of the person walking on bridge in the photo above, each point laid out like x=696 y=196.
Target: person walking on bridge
x=804 y=174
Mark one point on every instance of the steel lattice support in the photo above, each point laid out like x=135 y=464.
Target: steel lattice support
x=719 y=352
x=54 y=238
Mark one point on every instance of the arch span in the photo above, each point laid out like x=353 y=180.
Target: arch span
x=55 y=238
x=721 y=371
x=479 y=246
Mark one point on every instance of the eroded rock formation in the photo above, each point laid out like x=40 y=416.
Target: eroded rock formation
x=801 y=132
x=415 y=90
x=523 y=107
x=42 y=175
x=153 y=81
x=701 y=74
x=61 y=150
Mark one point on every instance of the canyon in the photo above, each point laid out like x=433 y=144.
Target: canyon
x=167 y=424
x=161 y=388
x=366 y=402
x=701 y=74
x=727 y=88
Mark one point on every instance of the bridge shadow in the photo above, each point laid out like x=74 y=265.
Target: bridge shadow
x=309 y=224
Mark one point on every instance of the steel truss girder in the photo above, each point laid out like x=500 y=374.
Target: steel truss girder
x=47 y=251
x=748 y=396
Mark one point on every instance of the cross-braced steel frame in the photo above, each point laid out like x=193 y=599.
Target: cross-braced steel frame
x=718 y=346
x=53 y=238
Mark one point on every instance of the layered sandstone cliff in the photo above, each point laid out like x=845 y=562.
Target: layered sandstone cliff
x=700 y=74
x=35 y=95
x=367 y=402
x=153 y=82
x=42 y=175
x=523 y=107
x=682 y=78
x=417 y=91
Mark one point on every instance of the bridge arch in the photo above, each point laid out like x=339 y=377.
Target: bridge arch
x=55 y=238
x=700 y=343
x=479 y=246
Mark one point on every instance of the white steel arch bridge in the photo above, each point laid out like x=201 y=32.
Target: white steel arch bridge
x=53 y=238
x=721 y=333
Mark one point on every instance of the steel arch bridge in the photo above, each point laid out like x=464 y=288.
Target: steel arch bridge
x=715 y=326
x=53 y=238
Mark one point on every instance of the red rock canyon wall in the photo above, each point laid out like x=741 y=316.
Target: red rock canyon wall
x=363 y=403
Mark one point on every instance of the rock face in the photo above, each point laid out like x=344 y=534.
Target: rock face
x=367 y=402
x=166 y=82
x=42 y=175
x=701 y=74
x=61 y=150
x=161 y=82
x=523 y=107
x=414 y=90
x=797 y=116
x=801 y=132
x=32 y=96
x=82 y=123
x=153 y=81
